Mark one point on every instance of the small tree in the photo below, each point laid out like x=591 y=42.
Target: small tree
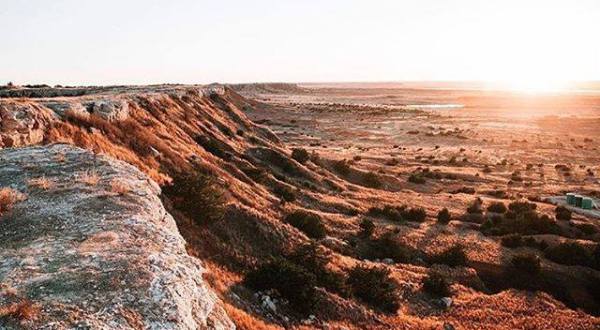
x=300 y=155
x=436 y=284
x=562 y=213
x=291 y=281
x=307 y=222
x=526 y=263
x=444 y=216
x=367 y=228
x=374 y=287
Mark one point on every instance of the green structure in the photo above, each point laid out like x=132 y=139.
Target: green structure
x=571 y=198
x=587 y=203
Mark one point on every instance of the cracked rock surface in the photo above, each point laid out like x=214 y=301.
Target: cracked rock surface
x=92 y=247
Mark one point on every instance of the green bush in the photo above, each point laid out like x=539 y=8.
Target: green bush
x=374 y=287
x=526 y=263
x=562 y=213
x=521 y=207
x=372 y=180
x=367 y=227
x=417 y=179
x=389 y=212
x=315 y=259
x=475 y=207
x=292 y=282
x=497 y=207
x=416 y=214
x=300 y=155
x=387 y=246
x=512 y=240
x=436 y=284
x=569 y=254
x=307 y=222
x=342 y=167
x=198 y=195
x=286 y=193
x=453 y=256
x=444 y=216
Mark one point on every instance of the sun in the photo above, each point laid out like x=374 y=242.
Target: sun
x=536 y=85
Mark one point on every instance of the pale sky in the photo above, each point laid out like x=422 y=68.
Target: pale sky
x=186 y=41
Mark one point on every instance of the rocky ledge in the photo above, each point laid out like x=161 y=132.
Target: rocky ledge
x=89 y=245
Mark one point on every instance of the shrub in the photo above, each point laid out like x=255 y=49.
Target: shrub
x=213 y=146
x=315 y=259
x=374 y=287
x=197 y=195
x=436 y=284
x=527 y=263
x=286 y=193
x=342 y=167
x=8 y=198
x=497 y=207
x=300 y=155
x=526 y=223
x=453 y=256
x=367 y=227
x=389 y=212
x=416 y=214
x=512 y=240
x=562 y=213
x=387 y=246
x=291 y=281
x=307 y=222
x=475 y=207
x=521 y=206
x=417 y=179
x=20 y=311
x=372 y=180
x=569 y=254
x=444 y=216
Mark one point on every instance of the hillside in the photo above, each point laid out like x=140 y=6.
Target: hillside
x=231 y=185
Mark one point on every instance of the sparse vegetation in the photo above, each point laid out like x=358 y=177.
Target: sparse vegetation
x=90 y=178
x=454 y=256
x=436 y=284
x=342 y=167
x=375 y=287
x=292 y=282
x=416 y=178
x=570 y=253
x=284 y=192
x=307 y=222
x=300 y=155
x=198 y=195
x=8 y=198
x=372 y=180
x=526 y=263
x=444 y=216
x=23 y=310
x=497 y=207
x=367 y=227
x=562 y=213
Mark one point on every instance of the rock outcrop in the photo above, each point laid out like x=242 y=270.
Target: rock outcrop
x=92 y=246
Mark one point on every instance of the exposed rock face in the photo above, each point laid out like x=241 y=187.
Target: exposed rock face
x=93 y=247
x=22 y=123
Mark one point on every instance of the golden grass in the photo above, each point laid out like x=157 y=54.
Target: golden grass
x=8 y=198
x=20 y=311
x=42 y=183
x=90 y=178
x=119 y=188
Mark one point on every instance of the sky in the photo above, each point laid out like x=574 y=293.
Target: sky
x=92 y=42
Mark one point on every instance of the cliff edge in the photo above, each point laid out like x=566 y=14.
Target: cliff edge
x=88 y=244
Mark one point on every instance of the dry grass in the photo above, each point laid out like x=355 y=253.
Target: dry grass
x=119 y=188
x=90 y=178
x=8 y=198
x=42 y=183
x=24 y=310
